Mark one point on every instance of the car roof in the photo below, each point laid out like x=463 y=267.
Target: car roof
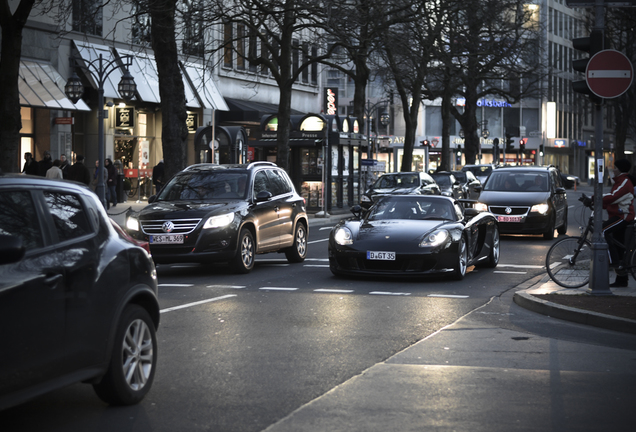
x=12 y=179
x=203 y=167
x=526 y=168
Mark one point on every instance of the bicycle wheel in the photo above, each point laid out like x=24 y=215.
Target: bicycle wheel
x=631 y=260
x=565 y=266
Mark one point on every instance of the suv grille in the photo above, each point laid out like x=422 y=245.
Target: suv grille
x=181 y=226
x=516 y=211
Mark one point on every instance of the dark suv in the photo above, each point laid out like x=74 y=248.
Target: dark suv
x=224 y=213
x=526 y=200
x=78 y=303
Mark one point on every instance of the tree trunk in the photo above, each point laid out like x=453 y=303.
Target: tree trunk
x=174 y=132
x=10 y=117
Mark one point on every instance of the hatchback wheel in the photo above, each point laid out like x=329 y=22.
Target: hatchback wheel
x=244 y=260
x=133 y=360
x=298 y=251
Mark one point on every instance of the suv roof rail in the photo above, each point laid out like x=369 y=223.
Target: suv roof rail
x=264 y=163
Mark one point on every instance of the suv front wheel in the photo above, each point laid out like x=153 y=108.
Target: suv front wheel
x=298 y=251
x=244 y=260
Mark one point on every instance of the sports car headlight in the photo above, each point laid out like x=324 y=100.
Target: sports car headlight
x=343 y=236
x=132 y=224
x=435 y=238
x=365 y=198
x=540 y=208
x=481 y=207
x=219 y=221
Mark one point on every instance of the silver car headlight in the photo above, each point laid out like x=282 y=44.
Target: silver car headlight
x=540 y=208
x=435 y=238
x=132 y=224
x=480 y=207
x=219 y=221
x=343 y=236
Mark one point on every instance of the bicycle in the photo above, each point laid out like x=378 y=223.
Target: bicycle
x=569 y=259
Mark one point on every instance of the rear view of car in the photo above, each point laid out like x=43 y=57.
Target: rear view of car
x=81 y=302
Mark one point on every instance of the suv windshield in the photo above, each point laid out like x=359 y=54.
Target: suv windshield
x=210 y=185
x=397 y=181
x=479 y=170
x=518 y=181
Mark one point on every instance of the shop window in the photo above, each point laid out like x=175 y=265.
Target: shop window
x=87 y=16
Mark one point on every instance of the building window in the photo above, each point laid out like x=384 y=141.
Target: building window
x=141 y=34
x=295 y=56
x=305 y=72
x=265 y=55
x=253 y=51
x=240 y=47
x=314 y=66
x=87 y=17
x=228 y=45
x=193 y=39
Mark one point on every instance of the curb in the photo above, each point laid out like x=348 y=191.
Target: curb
x=595 y=319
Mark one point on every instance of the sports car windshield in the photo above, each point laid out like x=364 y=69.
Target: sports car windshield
x=416 y=208
x=518 y=181
x=397 y=181
x=205 y=186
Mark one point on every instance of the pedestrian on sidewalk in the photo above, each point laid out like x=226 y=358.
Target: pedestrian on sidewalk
x=55 y=172
x=79 y=172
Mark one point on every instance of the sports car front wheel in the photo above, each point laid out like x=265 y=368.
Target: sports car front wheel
x=459 y=270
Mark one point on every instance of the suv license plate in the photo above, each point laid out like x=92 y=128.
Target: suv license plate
x=166 y=239
x=509 y=218
x=381 y=256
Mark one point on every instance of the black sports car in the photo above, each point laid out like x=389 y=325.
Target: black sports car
x=412 y=235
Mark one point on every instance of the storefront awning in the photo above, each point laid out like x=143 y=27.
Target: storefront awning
x=40 y=85
x=90 y=53
x=204 y=86
x=250 y=111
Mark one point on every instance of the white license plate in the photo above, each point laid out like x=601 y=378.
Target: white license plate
x=166 y=239
x=381 y=256
x=509 y=218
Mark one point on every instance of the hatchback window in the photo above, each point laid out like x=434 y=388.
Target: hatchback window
x=68 y=214
x=19 y=218
x=279 y=183
x=261 y=183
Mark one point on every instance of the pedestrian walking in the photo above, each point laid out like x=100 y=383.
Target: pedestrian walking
x=45 y=164
x=55 y=172
x=157 y=177
x=111 y=183
x=31 y=166
x=64 y=165
x=80 y=172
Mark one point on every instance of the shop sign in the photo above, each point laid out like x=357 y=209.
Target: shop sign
x=559 y=143
x=331 y=101
x=125 y=117
x=484 y=102
x=192 y=122
x=64 y=120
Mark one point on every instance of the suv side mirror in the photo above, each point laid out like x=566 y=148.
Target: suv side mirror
x=263 y=196
x=11 y=249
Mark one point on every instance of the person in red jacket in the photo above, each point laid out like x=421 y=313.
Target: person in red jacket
x=620 y=210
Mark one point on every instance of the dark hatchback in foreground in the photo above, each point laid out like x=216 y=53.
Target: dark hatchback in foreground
x=224 y=213
x=402 y=183
x=413 y=235
x=526 y=200
x=78 y=303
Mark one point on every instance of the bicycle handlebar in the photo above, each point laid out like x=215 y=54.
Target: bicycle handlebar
x=587 y=201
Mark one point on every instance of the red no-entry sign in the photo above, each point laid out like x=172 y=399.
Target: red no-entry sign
x=609 y=74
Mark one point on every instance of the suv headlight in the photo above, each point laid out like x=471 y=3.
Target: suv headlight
x=480 y=207
x=540 y=208
x=343 y=236
x=219 y=221
x=132 y=224
x=435 y=238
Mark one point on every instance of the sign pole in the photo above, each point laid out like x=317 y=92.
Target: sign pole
x=599 y=271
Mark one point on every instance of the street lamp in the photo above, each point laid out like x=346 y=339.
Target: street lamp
x=368 y=114
x=100 y=70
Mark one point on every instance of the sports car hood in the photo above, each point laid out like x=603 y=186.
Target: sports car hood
x=395 y=230
x=188 y=209
x=513 y=198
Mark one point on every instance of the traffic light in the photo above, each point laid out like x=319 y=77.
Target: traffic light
x=459 y=150
x=509 y=144
x=425 y=143
x=522 y=144
x=541 y=150
x=590 y=44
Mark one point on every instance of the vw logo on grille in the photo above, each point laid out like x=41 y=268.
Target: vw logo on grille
x=508 y=210
x=167 y=227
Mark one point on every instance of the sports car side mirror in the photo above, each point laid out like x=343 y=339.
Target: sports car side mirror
x=357 y=211
x=11 y=249
x=470 y=212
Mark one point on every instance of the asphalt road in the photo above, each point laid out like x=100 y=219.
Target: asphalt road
x=244 y=353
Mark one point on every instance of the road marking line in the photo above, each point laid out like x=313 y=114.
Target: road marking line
x=184 y=265
x=225 y=286
x=273 y=264
x=509 y=272
x=175 y=285
x=197 y=303
x=389 y=293
x=317 y=259
x=335 y=291
x=448 y=296
x=325 y=228
x=318 y=241
x=277 y=289
x=317 y=265
x=521 y=266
